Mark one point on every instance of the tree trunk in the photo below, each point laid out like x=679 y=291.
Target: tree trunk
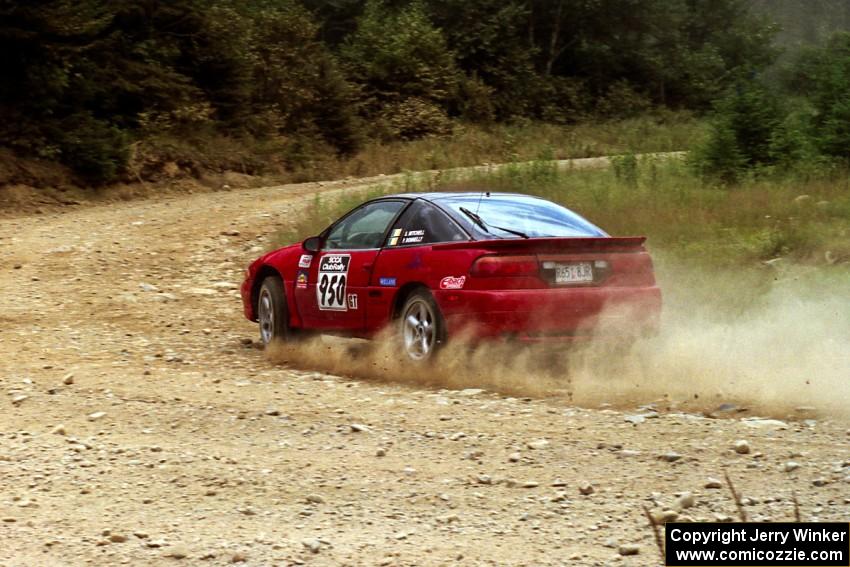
x=553 y=39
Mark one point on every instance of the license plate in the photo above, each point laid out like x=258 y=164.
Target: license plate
x=579 y=272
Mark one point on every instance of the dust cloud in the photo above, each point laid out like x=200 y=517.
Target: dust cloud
x=789 y=356
x=786 y=356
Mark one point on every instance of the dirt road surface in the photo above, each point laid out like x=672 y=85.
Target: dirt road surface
x=138 y=429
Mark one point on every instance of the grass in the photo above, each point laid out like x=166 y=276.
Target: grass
x=801 y=219
x=474 y=145
x=714 y=247
x=298 y=160
x=726 y=245
x=804 y=220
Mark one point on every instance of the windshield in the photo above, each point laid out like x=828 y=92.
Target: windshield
x=521 y=215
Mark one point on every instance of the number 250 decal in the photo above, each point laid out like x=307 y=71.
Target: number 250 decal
x=333 y=279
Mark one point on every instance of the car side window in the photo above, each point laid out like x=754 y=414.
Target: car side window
x=364 y=228
x=423 y=223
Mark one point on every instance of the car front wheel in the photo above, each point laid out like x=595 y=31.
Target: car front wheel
x=272 y=314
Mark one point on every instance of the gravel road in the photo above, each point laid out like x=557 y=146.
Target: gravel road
x=139 y=428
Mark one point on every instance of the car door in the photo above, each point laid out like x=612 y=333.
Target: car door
x=406 y=257
x=333 y=297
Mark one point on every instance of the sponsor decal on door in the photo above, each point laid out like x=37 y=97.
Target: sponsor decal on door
x=301 y=279
x=332 y=282
x=305 y=260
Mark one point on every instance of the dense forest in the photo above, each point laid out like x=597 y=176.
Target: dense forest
x=84 y=82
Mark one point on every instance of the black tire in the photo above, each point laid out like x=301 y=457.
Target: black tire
x=421 y=329
x=272 y=314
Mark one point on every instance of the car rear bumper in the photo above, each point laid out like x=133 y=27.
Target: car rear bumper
x=552 y=314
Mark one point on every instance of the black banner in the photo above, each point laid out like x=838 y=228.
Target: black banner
x=808 y=544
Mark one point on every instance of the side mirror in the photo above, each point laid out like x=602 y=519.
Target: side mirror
x=312 y=244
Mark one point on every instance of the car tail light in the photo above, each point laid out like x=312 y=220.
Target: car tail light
x=505 y=266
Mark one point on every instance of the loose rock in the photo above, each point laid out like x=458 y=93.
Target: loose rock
x=665 y=516
x=685 y=501
x=759 y=423
x=469 y=392
x=175 y=551
x=670 y=457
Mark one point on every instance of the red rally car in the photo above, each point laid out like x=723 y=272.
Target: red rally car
x=437 y=265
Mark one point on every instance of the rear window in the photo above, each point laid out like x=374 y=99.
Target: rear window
x=531 y=216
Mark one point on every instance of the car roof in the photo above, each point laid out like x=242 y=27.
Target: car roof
x=441 y=195
x=443 y=201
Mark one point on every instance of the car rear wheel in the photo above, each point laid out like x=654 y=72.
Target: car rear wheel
x=421 y=327
x=272 y=314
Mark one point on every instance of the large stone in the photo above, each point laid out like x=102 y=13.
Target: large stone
x=176 y=551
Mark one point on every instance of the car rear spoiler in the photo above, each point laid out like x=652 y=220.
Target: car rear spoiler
x=563 y=244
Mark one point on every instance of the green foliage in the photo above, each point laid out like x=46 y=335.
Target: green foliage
x=297 y=85
x=746 y=133
x=475 y=101
x=398 y=54
x=688 y=219
x=626 y=168
x=754 y=128
x=93 y=148
x=804 y=22
x=823 y=75
x=490 y=39
x=720 y=156
x=413 y=118
x=669 y=52
x=621 y=100
x=327 y=76
x=115 y=71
